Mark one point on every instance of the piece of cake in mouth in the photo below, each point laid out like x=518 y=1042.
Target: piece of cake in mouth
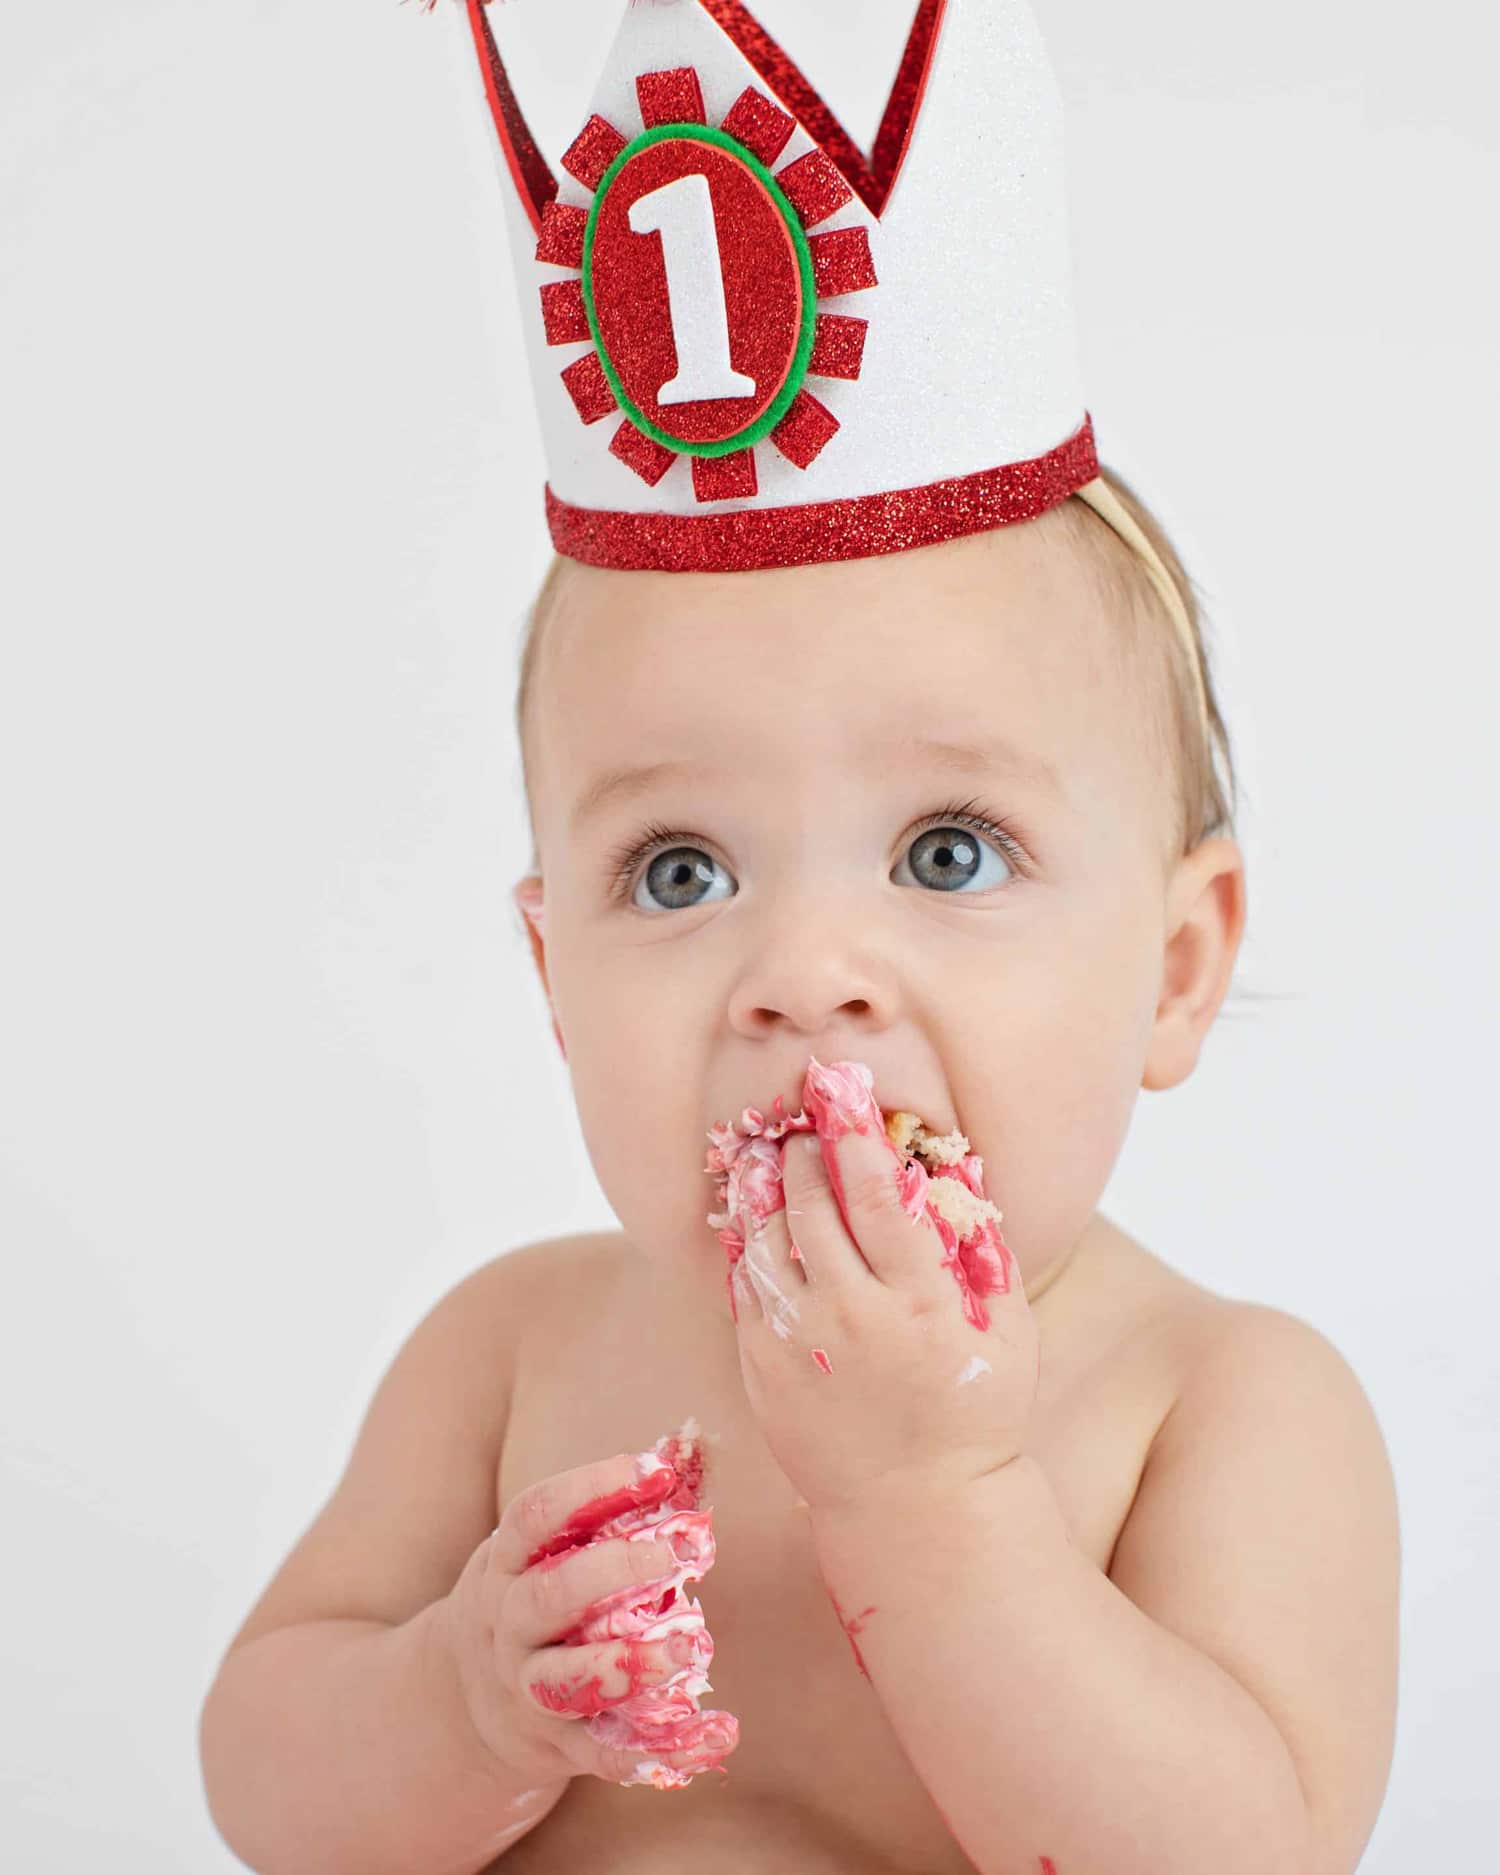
x=937 y=1173
x=664 y=1719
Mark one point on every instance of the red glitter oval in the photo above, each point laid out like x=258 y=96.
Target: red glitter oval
x=762 y=289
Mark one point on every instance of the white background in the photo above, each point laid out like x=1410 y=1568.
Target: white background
x=271 y=510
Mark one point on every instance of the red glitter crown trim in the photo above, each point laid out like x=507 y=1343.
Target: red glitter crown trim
x=535 y=183
x=748 y=539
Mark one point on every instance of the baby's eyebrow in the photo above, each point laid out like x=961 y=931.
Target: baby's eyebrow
x=972 y=760
x=617 y=785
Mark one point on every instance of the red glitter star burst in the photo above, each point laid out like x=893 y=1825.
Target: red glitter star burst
x=696 y=280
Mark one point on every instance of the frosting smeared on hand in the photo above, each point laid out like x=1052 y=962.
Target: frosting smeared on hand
x=663 y=1718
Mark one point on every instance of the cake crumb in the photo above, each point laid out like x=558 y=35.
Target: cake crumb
x=954 y=1203
x=907 y=1134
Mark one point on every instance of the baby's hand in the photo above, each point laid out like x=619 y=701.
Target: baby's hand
x=557 y=1619
x=876 y=1345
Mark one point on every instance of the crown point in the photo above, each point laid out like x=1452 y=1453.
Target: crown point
x=838 y=346
x=563 y=228
x=674 y=97
x=815 y=187
x=589 y=388
x=592 y=151
x=763 y=127
x=842 y=262
x=564 y=315
x=725 y=478
x=649 y=458
x=805 y=431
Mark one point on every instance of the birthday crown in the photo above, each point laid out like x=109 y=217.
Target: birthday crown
x=752 y=345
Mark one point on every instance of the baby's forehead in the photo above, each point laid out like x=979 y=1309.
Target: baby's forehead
x=968 y=672
x=981 y=640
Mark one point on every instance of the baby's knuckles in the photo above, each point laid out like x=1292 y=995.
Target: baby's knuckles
x=552 y=1596
x=538 y=1517
x=580 y=1680
x=468 y=1643
x=484 y=1643
x=533 y=1517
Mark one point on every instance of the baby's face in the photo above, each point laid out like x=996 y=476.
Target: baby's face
x=798 y=879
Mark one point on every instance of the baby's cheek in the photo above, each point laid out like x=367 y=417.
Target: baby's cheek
x=647 y=1152
x=663 y=1196
x=1053 y=1047
x=1049 y=1143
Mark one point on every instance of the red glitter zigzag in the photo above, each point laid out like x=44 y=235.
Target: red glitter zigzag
x=872 y=180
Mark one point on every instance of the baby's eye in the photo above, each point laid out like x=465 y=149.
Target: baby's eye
x=949 y=854
x=678 y=879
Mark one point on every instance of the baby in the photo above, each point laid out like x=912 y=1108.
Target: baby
x=1106 y=1584
x=881 y=858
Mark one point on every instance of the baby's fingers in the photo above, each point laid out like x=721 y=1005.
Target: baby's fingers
x=565 y=1510
x=601 y=1584
x=610 y=1750
x=577 y=1682
x=668 y=1754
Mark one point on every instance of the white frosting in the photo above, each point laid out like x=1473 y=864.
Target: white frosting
x=781 y=1310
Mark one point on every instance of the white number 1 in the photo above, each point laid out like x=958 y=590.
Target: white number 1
x=682 y=213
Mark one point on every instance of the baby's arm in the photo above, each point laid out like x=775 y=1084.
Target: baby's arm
x=336 y=1736
x=1266 y=1535
x=1222 y=1700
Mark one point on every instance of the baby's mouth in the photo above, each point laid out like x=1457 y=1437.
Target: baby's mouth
x=906 y=1124
x=745 y=1158
x=833 y=1099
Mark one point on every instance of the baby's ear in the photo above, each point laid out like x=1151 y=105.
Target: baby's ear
x=529 y=898
x=1205 y=923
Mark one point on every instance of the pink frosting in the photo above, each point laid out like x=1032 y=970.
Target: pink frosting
x=745 y=1157
x=663 y=1505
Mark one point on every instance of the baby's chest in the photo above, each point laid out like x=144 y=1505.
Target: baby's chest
x=819 y=1778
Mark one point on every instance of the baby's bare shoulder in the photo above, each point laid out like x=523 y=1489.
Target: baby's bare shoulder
x=529 y=1290
x=547 y=1264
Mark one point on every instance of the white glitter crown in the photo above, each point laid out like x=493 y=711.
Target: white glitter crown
x=753 y=345
x=940 y=273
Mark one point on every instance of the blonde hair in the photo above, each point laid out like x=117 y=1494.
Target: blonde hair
x=1200 y=770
